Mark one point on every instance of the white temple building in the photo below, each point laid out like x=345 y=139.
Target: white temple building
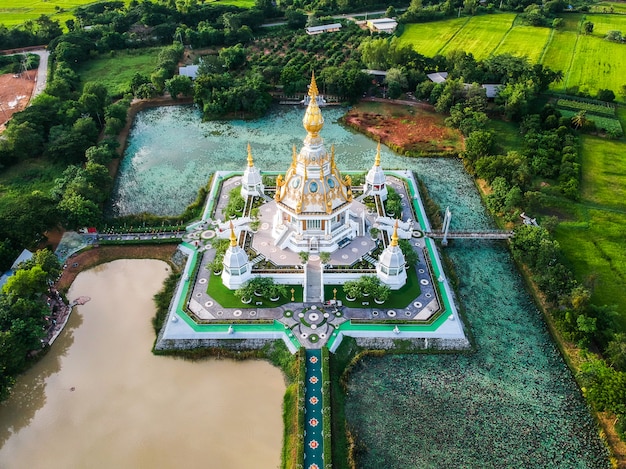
x=251 y=181
x=237 y=269
x=375 y=181
x=313 y=199
x=391 y=264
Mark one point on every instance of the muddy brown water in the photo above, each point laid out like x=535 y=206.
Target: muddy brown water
x=100 y=399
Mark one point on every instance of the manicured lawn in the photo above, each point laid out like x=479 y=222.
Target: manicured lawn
x=227 y=298
x=397 y=300
x=115 y=70
x=429 y=38
x=481 y=35
x=526 y=41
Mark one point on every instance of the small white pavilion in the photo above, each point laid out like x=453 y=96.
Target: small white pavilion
x=251 y=181
x=237 y=269
x=375 y=181
x=391 y=264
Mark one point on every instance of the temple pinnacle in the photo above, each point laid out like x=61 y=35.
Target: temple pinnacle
x=394 y=236
x=250 y=162
x=377 y=160
x=313 y=91
x=233 y=238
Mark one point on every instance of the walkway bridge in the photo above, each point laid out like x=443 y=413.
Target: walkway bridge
x=491 y=234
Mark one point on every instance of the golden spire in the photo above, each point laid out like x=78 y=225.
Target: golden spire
x=294 y=156
x=313 y=92
x=250 y=162
x=321 y=173
x=394 y=236
x=332 y=156
x=377 y=160
x=313 y=120
x=233 y=238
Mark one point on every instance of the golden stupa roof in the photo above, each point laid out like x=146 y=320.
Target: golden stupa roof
x=313 y=184
x=313 y=121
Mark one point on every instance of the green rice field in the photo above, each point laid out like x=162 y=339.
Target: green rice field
x=594 y=244
x=15 y=12
x=587 y=61
x=481 y=35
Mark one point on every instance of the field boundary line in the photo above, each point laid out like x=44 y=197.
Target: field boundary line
x=574 y=52
x=545 y=46
x=453 y=36
x=504 y=36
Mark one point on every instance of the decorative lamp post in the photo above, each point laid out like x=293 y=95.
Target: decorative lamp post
x=334 y=293
x=292 y=297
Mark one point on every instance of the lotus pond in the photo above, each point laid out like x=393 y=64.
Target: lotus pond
x=512 y=403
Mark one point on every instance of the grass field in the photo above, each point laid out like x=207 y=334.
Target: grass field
x=604 y=7
x=587 y=61
x=525 y=40
x=594 y=243
x=115 y=70
x=20 y=11
x=481 y=35
x=429 y=38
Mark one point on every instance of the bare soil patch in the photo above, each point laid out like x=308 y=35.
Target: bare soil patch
x=103 y=254
x=409 y=130
x=15 y=93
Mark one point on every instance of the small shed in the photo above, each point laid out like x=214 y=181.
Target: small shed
x=492 y=90
x=382 y=25
x=190 y=71
x=438 y=77
x=324 y=28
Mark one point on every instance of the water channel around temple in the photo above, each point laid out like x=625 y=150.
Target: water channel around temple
x=465 y=408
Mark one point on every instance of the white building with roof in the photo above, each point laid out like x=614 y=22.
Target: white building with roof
x=324 y=28
x=382 y=25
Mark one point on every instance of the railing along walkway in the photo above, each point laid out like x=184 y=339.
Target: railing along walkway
x=494 y=234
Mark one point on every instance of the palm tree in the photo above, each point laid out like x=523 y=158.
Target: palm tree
x=579 y=119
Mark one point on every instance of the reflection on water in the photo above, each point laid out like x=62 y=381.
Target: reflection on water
x=100 y=399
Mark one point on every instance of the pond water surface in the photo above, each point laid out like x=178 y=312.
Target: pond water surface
x=100 y=399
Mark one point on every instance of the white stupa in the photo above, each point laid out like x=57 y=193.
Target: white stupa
x=313 y=199
x=390 y=268
x=237 y=268
x=375 y=183
x=251 y=181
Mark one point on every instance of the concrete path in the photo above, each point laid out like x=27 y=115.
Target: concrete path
x=314 y=281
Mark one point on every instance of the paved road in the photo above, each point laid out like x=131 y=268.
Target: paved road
x=42 y=72
x=344 y=16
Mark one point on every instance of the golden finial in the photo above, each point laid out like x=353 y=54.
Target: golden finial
x=233 y=238
x=377 y=160
x=313 y=121
x=294 y=155
x=250 y=162
x=313 y=92
x=332 y=156
x=394 y=236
